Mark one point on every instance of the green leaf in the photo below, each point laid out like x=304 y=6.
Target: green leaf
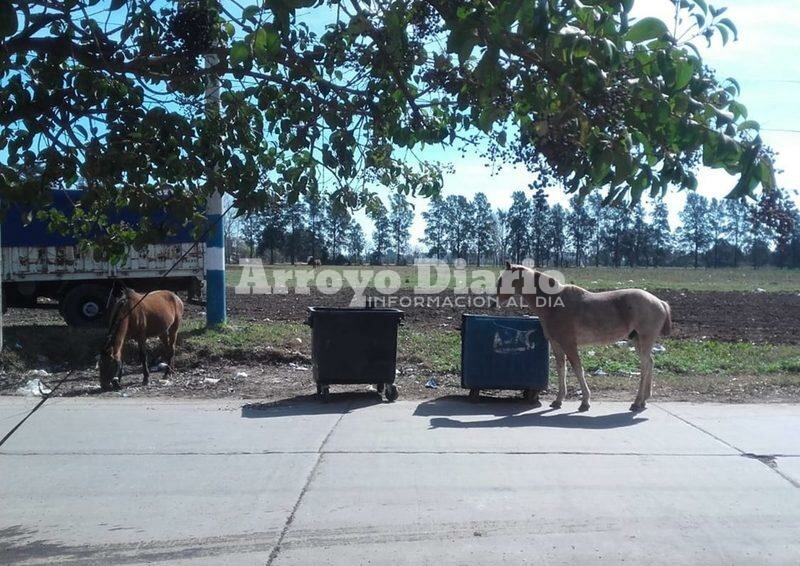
x=508 y=11
x=724 y=33
x=117 y=4
x=462 y=40
x=646 y=29
x=729 y=24
x=684 y=71
x=265 y=42
x=239 y=52
x=8 y=19
x=749 y=125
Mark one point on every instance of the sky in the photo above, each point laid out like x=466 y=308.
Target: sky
x=764 y=61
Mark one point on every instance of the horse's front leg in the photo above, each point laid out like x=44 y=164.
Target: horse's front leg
x=575 y=361
x=561 y=370
x=644 y=348
x=143 y=358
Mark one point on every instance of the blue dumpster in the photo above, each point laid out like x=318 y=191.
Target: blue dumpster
x=504 y=352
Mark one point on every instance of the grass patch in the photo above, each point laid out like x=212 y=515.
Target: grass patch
x=242 y=336
x=275 y=342
x=435 y=350
x=438 y=351
x=673 y=278
x=691 y=369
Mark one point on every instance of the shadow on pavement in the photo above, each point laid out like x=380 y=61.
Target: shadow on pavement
x=514 y=413
x=337 y=403
x=454 y=405
x=562 y=420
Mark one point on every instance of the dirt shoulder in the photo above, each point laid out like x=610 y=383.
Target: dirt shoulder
x=276 y=366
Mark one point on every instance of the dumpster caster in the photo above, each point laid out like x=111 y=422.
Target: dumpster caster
x=391 y=393
x=322 y=392
x=379 y=387
x=532 y=397
x=474 y=395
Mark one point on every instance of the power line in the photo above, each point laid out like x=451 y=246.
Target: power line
x=781 y=130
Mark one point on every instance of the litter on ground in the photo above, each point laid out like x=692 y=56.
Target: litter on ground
x=33 y=388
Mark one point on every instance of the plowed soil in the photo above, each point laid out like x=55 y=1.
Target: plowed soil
x=730 y=316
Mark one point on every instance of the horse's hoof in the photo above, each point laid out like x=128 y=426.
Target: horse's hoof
x=556 y=404
x=583 y=408
x=637 y=408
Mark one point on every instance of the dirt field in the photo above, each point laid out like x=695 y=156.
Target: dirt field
x=730 y=316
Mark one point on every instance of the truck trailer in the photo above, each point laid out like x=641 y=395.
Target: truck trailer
x=37 y=264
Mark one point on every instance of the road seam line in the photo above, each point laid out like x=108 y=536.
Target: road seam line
x=767 y=460
x=399 y=453
x=290 y=519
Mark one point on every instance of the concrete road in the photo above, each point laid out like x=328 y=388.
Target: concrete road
x=435 y=482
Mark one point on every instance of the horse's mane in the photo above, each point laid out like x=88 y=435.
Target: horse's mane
x=114 y=318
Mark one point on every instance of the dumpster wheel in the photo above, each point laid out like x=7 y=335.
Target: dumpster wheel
x=323 y=391
x=474 y=395
x=391 y=392
x=532 y=397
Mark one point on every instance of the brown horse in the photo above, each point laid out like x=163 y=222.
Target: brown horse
x=140 y=316
x=572 y=317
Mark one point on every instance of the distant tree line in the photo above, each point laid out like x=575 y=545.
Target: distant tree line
x=323 y=228
x=712 y=233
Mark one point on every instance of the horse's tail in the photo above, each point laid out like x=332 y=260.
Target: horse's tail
x=667 y=328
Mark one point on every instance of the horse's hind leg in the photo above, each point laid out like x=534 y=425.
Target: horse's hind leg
x=644 y=347
x=168 y=346
x=168 y=340
x=575 y=361
x=561 y=370
x=143 y=359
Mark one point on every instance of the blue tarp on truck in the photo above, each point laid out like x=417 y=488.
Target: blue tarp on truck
x=21 y=228
x=37 y=263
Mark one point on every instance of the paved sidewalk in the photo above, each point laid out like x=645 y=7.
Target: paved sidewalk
x=440 y=482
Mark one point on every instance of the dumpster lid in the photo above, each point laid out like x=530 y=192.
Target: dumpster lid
x=353 y=310
x=499 y=317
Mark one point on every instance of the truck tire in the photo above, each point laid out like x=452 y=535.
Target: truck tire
x=85 y=305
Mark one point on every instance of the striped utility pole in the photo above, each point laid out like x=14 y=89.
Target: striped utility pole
x=216 y=312
x=1 y=295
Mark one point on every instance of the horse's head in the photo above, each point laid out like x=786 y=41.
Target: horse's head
x=514 y=280
x=110 y=368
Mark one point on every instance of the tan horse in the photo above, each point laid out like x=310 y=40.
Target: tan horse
x=573 y=317
x=140 y=316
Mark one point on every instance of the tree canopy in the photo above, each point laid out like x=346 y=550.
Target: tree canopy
x=110 y=93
